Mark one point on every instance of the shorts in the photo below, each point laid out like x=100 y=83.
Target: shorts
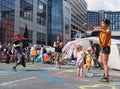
x=106 y=50
x=57 y=55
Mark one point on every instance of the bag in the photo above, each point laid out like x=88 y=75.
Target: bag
x=34 y=53
x=39 y=58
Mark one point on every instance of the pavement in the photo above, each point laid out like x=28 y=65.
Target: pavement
x=46 y=76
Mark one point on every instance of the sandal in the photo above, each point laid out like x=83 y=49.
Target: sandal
x=104 y=80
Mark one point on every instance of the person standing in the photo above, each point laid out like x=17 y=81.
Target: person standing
x=105 y=42
x=96 y=52
x=33 y=53
x=43 y=51
x=80 y=61
x=8 y=53
x=88 y=59
x=58 y=50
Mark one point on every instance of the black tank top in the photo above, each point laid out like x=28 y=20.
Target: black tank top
x=58 y=49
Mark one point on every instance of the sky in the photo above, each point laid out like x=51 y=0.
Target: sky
x=110 y=5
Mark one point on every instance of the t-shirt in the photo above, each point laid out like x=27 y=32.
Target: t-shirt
x=18 y=48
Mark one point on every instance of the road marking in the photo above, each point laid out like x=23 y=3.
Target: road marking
x=16 y=81
x=97 y=86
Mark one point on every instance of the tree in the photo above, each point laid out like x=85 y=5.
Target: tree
x=25 y=35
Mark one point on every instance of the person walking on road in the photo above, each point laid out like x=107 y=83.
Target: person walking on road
x=105 y=42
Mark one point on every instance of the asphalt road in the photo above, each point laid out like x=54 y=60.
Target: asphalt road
x=45 y=76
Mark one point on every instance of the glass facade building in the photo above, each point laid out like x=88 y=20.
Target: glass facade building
x=55 y=20
x=94 y=18
x=6 y=20
x=115 y=20
x=60 y=24
x=45 y=19
x=78 y=17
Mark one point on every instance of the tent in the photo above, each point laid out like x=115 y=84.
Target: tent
x=70 y=47
x=114 y=58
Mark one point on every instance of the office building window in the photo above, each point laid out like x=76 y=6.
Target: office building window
x=26 y=9
x=29 y=1
x=41 y=38
x=41 y=14
x=67 y=25
x=41 y=6
x=41 y=18
x=67 y=10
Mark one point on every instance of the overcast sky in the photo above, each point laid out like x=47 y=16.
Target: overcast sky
x=111 y=5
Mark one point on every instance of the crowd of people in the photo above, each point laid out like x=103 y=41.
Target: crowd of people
x=84 y=58
x=20 y=55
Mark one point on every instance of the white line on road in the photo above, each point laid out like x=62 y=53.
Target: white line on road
x=16 y=81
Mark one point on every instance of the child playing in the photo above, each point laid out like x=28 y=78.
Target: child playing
x=80 y=61
x=88 y=59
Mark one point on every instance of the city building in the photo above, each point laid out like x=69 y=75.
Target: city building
x=78 y=17
x=6 y=20
x=65 y=18
x=55 y=20
x=16 y=14
x=45 y=19
x=32 y=13
x=94 y=18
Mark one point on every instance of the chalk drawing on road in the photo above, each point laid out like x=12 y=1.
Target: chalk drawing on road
x=69 y=74
x=115 y=83
x=48 y=76
x=100 y=86
x=16 y=81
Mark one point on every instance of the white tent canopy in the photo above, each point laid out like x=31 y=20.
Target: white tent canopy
x=114 y=58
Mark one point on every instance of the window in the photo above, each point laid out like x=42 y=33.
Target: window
x=67 y=25
x=41 y=18
x=29 y=1
x=41 y=6
x=26 y=9
x=41 y=38
x=41 y=14
x=67 y=10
